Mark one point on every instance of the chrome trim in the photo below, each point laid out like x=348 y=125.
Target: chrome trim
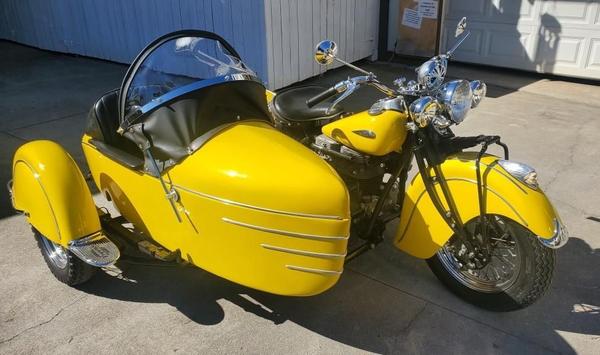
x=303 y=252
x=389 y=104
x=365 y=133
x=314 y=271
x=240 y=204
x=55 y=253
x=282 y=232
x=558 y=239
x=505 y=173
x=81 y=248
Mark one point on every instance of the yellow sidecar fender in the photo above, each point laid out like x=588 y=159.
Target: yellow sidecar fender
x=422 y=231
x=50 y=190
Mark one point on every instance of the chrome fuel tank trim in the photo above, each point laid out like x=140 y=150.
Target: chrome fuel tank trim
x=283 y=232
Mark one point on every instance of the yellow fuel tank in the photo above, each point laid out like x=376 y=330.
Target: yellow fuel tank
x=376 y=135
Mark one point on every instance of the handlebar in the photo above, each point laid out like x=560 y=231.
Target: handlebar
x=332 y=91
x=347 y=87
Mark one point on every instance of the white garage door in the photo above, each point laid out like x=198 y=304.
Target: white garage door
x=548 y=36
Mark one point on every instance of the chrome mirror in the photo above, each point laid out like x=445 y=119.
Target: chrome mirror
x=461 y=27
x=325 y=52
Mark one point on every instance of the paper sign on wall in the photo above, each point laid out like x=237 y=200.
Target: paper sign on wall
x=411 y=18
x=428 y=8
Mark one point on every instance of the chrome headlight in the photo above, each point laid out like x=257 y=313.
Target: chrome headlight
x=456 y=96
x=423 y=110
x=479 y=90
x=521 y=172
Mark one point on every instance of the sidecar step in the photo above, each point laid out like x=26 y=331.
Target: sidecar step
x=96 y=250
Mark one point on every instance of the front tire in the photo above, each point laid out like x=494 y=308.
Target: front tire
x=518 y=272
x=63 y=264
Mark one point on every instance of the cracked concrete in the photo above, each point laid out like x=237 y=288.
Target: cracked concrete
x=386 y=302
x=42 y=323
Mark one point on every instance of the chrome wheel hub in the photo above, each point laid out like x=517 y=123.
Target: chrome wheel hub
x=499 y=272
x=56 y=253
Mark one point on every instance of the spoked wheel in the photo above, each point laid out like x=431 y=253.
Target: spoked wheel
x=508 y=271
x=65 y=266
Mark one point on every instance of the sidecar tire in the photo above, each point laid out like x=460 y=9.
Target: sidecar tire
x=533 y=281
x=74 y=272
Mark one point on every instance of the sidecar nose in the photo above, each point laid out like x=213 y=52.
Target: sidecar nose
x=253 y=164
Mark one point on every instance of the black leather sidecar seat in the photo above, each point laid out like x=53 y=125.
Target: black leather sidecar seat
x=103 y=122
x=290 y=104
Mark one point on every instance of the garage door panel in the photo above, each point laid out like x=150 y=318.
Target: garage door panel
x=456 y=9
x=567 y=51
x=593 y=61
x=472 y=47
x=510 y=11
x=509 y=44
x=570 y=12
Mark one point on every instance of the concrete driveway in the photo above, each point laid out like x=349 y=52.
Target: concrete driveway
x=386 y=301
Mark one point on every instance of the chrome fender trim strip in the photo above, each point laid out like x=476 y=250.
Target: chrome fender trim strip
x=303 y=252
x=283 y=232
x=314 y=271
x=240 y=204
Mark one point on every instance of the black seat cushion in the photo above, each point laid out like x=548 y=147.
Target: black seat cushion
x=290 y=104
x=103 y=122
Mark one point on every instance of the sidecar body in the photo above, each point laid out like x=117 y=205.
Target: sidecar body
x=186 y=152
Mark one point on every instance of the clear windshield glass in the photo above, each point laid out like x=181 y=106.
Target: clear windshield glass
x=178 y=63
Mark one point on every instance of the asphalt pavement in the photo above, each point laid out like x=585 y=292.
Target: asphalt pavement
x=385 y=302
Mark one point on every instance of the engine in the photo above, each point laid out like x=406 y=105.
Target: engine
x=364 y=175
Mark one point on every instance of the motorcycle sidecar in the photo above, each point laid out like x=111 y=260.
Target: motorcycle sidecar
x=186 y=152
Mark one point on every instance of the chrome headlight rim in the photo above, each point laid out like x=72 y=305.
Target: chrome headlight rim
x=457 y=98
x=521 y=171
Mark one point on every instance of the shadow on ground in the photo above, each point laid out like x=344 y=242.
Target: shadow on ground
x=361 y=311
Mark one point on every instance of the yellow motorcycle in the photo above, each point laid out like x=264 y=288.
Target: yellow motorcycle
x=277 y=191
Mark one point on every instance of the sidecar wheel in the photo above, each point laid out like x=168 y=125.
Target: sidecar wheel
x=65 y=266
x=518 y=274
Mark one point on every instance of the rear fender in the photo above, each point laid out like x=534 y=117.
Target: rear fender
x=50 y=190
x=422 y=231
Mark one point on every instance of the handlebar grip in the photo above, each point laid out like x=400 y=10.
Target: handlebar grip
x=321 y=97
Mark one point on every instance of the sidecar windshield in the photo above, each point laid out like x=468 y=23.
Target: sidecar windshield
x=175 y=65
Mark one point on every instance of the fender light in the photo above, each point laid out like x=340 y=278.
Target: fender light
x=521 y=172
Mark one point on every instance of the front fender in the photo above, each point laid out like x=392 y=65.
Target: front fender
x=422 y=231
x=50 y=190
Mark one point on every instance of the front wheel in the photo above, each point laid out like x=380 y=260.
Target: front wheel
x=510 y=271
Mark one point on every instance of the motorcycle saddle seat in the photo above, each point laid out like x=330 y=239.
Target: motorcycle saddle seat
x=290 y=104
